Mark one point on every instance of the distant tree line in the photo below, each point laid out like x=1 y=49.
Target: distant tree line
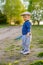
x=13 y=9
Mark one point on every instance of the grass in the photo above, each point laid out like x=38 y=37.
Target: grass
x=40 y=54
x=18 y=48
x=37 y=63
x=6 y=25
x=41 y=46
x=9 y=63
x=41 y=41
x=16 y=62
x=4 y=63
x=10 y=48
x=37 y=42
x=37 y=34
x=3 y=26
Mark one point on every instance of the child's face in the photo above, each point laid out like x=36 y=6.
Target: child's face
x=26 y=17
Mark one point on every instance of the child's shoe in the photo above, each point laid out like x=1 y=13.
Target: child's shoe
x=22 y=51
x=26 y=52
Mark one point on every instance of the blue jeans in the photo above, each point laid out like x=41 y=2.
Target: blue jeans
x=26 y=42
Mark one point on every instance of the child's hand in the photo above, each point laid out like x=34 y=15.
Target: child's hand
x=28 y=34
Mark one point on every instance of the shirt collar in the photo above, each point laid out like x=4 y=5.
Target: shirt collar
x=26 y=20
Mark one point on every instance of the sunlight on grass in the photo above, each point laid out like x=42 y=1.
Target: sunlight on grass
x=37 y=62
x=24 y=59
x=10 y=64
x=18 y=48
x=11 y=47
x=16 y=62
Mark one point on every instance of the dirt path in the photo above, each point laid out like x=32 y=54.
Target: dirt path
x=7 y=36
x=10 y=32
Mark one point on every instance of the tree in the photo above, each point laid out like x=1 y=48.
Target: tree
x=13 y=9
x=2 y=3
x=36 y=8
x=37 y=16
x=3 y=18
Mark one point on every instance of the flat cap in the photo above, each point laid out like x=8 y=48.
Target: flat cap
x=25 y=13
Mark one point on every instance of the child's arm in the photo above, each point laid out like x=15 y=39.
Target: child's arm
x=28 y=25
x=28 y=34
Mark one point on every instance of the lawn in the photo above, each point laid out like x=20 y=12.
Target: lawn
x=12 y=47
x=3 y=26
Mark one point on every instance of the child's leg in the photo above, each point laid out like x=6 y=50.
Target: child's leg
x=23 y=41
x=27 y=44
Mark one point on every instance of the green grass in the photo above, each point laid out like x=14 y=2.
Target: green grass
x=37 y=63
x=3 y=26
x=41 y=41
x=4 y=63
x=37 y=33
x=40 y=54
x=16 y=62
x=10 y=48
x=37 y=42
x=6 y=25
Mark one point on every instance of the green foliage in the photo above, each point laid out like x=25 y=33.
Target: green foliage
x=31 y=6
x=13 y=9
x=37 y=63
x=37 y=16
x=40 y=54
x=3 y=18
x=35 y=4
x=36 y=9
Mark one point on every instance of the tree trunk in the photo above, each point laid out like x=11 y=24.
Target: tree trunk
x=38 y=23
x=33 y=22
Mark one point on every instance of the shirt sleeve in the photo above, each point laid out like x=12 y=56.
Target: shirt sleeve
x=28 y=25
